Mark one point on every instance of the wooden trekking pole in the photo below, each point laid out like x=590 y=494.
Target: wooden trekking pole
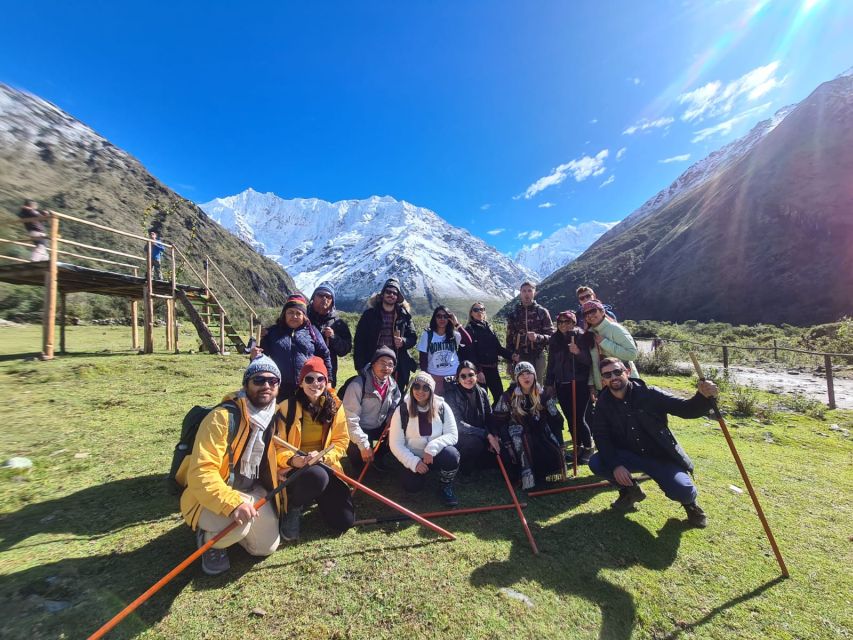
x=375 y=449
x=580 y=487
x=743 y=474
x=121 y=615
x=439 y=514
x=574 y=417
x=517 y=505
x=373 y=494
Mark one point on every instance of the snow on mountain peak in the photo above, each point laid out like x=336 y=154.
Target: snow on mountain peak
x=358 y=244
x=561 y=247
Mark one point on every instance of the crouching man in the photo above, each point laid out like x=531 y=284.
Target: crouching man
x=629 y=425
x=221 y=487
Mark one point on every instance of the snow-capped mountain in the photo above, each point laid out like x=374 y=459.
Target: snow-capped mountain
x=561 y=247
x=711 y=165
x=358 y=244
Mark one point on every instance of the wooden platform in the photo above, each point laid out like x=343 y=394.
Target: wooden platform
x=75 y=279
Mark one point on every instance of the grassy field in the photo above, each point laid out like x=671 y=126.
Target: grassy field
x=91 y=526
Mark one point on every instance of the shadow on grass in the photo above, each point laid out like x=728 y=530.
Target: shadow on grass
x=36 y=355
x=93 y=512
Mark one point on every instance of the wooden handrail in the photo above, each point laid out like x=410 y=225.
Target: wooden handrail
x=69 y=253
x=184 y=258
x=65 y=216
x=15 y=259
x=248 y=306
x=752 y=348
x=112 y=251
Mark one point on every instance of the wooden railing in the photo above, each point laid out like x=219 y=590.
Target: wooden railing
x=827 y=357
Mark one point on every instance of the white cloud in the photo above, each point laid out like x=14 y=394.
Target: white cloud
x=726 y=126
x=609 y=180
x=593 y=121
x=494 y=232
x=522 y=235
x=645 y=124
x=529 y=247
x=636 y=81
x=684 y=157
x=574 y=219
x=621 y=153
x=547 y=205
x=714 y=99
x=580 y=169
x=485 y=207
x=534 y=235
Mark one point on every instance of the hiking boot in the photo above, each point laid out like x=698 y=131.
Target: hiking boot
x=628 y=497
x=213 y=561
x=695 y=516
x=289 y=525
x=448 y=497
x=584 y=454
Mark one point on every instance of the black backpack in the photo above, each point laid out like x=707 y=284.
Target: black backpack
x=404 y=413
x=343 y=388
x=189 y=429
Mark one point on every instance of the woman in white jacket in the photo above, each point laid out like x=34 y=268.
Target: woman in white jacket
x=423 y=436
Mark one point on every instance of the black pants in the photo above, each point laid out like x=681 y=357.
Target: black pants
x=564 y=397
x=332 y=496
x=446 y=460
x=354 y=453
x=493 y=382
x=472 y=446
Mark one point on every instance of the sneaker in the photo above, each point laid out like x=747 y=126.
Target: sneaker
x=695 y=516
x=289 y=525
x=213 y=561
x=447 y=496
x=628 y=497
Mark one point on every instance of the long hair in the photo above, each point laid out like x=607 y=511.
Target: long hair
x=471 y=318
x=433 y=323
x=518 y=401
x=324 y=412
x=466 y=364
x=433 y=400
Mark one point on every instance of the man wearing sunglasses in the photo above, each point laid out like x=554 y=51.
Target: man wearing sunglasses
x=387 y=322
x=333 y=328
x=585 y=294
x=231 y=466
x=629 y=424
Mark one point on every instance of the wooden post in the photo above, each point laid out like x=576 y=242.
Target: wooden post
x=830 y=388
x=206 y=289
x=221 y=331
x=62 y=322
x=775 y=351
x=134 y=325
x=148 y=301
x=252 y=325
x=725 y=358
x=167 y=312
x=50 y=285
x=174 y=347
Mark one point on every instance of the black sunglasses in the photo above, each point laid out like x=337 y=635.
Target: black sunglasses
x=417 y=386
x=478 y=310
x=260 y=381
x=465 y=376
x=612 y=374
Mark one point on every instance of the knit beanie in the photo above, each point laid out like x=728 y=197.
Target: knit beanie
x=384 y=352
x=296 y=301
x=393 y=283
x=325 y=287
x=261 y=364
x=314 y=364
x=567 y=315
x=589 y=305
x=424 y=378
x=524 y=367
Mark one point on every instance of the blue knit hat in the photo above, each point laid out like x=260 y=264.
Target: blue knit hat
x=327 y=287
x=261 y=364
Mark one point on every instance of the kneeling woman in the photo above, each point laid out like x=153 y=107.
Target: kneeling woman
x=526 y=422
x=311 y=421
x=473 y=412
x=422 y=437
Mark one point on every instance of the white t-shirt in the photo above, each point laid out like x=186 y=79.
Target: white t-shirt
x=442 y=357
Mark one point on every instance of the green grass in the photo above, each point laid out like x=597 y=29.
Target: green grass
x=91 y=525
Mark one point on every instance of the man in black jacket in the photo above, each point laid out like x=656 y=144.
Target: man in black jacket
x=629 y=425
x=387 y=323
x=333 y=328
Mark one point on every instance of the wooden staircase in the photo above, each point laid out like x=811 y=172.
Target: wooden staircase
x=214 y=327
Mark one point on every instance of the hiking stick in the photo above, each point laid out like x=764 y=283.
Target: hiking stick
x=373 y=494
x=375 y=449
x=517 y=506
x=121 y=615
x=440 y=514
x=579 y=487
x=574 y=417
x=743 y=474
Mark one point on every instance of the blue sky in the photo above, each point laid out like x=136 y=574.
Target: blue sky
x=510 y=116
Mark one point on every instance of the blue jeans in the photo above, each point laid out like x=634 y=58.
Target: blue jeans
x=671 y=477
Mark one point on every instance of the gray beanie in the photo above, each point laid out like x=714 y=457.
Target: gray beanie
x=384 y=352
x=261 y=364
x=327 y=287
x=524 y=367
x=424 y=378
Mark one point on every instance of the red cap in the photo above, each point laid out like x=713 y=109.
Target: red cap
x=589 y=305
x=313 y=364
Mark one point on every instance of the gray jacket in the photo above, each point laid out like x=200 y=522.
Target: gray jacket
x=365 y=409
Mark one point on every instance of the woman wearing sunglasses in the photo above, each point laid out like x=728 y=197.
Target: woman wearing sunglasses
x=526 y=423
x=311 y=421
x=470 y=405
x=439 y=346
x=485 y=350
x=423 y=437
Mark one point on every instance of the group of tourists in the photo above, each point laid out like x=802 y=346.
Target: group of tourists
x=427 y=417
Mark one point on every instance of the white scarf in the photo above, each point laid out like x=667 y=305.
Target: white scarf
x=259 y=419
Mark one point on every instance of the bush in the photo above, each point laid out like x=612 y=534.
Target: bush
x=805 y=405
x=743 y=399
x=660 y=361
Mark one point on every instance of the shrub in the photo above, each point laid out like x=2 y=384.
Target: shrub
x=660 y=361
x=800 y=403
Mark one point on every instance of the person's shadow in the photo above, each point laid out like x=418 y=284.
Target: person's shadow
x=575 y=550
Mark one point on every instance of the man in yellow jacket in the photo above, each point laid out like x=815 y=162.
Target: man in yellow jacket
x=231 y=466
